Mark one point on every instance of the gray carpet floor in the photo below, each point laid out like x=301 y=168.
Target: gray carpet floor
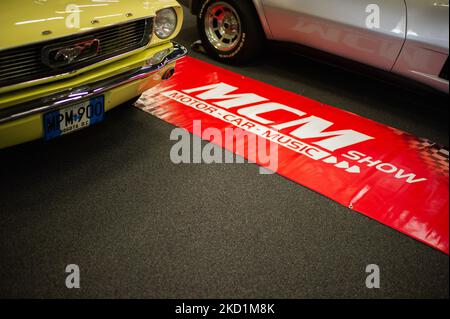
x=110 y=200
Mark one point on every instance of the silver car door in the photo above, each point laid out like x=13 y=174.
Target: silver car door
x=368 y=31
x=426 y=49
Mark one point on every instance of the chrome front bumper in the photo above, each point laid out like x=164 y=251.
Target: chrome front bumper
x=68 y=97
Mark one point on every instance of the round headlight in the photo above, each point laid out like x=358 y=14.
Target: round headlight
x=165 y=23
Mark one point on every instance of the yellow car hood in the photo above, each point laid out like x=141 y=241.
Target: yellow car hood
x=27 y=21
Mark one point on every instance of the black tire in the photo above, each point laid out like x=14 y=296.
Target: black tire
x=252 y=38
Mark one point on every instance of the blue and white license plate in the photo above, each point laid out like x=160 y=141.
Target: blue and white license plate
x=74 y=118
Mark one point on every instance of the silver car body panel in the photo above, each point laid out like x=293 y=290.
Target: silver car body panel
x=427 y=41
x=340 y=27
x=412 y=39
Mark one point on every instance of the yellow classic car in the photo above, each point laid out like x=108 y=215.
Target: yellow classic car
x=64 y=63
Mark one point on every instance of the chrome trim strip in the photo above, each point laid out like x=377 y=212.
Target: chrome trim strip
x=70 y=96
x=259 y=6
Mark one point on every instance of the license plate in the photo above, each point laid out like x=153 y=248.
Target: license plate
x=74 y=118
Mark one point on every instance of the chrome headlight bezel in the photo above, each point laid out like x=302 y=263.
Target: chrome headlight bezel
x=166 y=22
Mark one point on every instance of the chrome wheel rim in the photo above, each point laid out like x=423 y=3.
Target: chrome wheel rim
x=223 y=26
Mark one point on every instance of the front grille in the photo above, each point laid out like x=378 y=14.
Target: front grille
x=26 y=63
x=444 y=72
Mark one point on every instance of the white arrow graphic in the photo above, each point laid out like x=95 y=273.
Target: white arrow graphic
x=354 y=170
x=343 y=165
x=331 y=160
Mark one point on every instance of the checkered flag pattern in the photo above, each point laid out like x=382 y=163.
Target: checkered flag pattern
x=434 y=155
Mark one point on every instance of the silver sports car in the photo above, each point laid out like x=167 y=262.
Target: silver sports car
x=409 y=38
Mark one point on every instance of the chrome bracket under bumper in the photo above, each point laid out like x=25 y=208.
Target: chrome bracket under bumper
x=70 y=96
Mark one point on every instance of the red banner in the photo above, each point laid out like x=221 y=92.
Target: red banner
x=384 y=173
